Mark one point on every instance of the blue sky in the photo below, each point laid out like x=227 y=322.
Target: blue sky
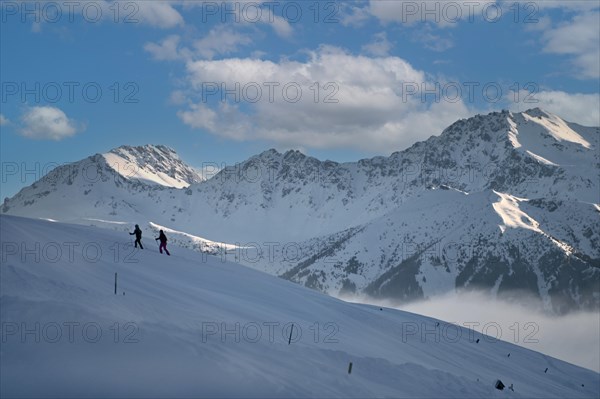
x=81 y=79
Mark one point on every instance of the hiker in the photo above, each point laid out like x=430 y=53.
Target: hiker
x=138 y=236
x=163 y=242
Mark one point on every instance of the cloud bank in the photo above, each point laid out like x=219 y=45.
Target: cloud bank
x=574 y=337
x=333 y=99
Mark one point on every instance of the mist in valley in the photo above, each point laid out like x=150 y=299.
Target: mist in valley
x=573 y=337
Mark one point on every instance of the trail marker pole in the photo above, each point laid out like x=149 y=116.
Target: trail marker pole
x=291 y=331
x=115 y=283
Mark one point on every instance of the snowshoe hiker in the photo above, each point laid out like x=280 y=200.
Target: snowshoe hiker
x=138 y=236
x=163 y=242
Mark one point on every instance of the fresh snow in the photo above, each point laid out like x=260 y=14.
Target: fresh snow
x=185 y=240
x=557 y=128
x=542 y=159
x=172 y=303
x=512 y=216
x=140 y=164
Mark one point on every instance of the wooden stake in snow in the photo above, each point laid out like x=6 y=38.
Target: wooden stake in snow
x=115 y=283
x=291 y=330
x=350 y=368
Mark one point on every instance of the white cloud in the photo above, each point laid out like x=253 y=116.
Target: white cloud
x=432 y=41
x=575 y=5
x=167 y=50
x=353 y=16
x=244 y=12
x=160 y=14
x=258 y=54
x=280 y=25
x=47 y=123
x=370 y=112
x=227 y=121
x=580 y=39
x=380 y=46
x=443 y=13
x=573 y=107
x=219 y=41
x=3 y=120
x=542 y=24
x=199 y=116
x=177 y=97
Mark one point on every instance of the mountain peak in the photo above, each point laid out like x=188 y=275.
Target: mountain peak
x=153 y=164
x=289 y=156
x=537 y=112
x=158 y=149
x=268 y=154
x=294 y=156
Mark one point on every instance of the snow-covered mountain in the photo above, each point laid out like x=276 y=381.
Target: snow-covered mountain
x=152 y=164
x=191 y=325
x=506 y=203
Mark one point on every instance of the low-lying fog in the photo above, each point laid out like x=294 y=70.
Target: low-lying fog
x=574 y=337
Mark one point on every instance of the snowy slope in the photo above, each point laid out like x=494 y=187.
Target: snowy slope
x=152 y=164
x=98 y=187
x=524 y=187
x=178 y=306
x=445 y=240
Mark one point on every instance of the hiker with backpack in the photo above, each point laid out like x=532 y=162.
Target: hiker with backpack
x=138 y=236
x=163 y=242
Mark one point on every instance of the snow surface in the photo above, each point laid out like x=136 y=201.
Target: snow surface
x=172 y=302
x=512 y=215
x=558 y=128
x=140 y=163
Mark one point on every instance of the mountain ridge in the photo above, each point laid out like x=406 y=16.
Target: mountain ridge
x=510 y=176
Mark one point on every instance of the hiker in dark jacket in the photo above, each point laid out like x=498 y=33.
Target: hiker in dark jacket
x=138 y=236
x=163 y=242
